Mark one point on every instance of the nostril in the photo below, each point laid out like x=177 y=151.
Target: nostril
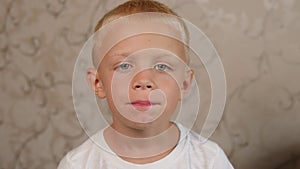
x=143 y=86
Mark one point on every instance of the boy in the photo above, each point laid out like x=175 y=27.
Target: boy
x=143 y=74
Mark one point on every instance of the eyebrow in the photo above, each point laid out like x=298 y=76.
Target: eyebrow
x=124 y=54
x=158 y=55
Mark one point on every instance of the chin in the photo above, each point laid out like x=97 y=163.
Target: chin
x=139 y=125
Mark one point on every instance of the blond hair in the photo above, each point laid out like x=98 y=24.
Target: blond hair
x=133 y=7
x=141 y=6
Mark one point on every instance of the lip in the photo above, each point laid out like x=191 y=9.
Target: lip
x=142 y=104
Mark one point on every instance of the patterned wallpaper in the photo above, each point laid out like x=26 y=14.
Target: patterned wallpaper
x=258 y=42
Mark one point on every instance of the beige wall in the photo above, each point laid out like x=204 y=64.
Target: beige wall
x=258 y=41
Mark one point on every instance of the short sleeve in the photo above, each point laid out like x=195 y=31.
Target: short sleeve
x=221 y=161
x=65 y=163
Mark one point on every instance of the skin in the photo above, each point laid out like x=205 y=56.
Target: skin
x=130 y=72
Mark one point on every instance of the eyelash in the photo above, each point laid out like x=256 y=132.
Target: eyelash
x=161 y=64
x=119 y=67
x=128 y=66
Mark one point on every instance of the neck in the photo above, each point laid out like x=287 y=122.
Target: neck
x=141 y=130
x=148 y=159
x=142 y=149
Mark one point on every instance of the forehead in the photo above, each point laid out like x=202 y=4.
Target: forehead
x=139 y=32
x=148 y=41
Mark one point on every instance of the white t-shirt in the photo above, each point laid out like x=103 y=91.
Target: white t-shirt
x=190 y=153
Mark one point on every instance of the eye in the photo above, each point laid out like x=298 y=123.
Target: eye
x=123 y=66
x=161 y=67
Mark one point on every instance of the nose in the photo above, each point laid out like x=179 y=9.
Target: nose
x=143 y=81
x=143 y=85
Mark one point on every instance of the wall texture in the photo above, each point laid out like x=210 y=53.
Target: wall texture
x=258 y=41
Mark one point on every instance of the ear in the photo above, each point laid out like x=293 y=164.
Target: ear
x=95 y=83
x=187 y=82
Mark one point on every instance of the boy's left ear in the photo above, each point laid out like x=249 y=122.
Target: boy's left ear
x=189 y=75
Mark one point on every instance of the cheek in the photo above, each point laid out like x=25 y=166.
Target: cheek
x=118 y=89
x=170 y=86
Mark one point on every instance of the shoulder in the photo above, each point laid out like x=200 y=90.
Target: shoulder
x=75 y=156
x=197 y=143
x=205 y=152
x=84 y=149
x=200 y=145
x=209 y=152
x=86 y=153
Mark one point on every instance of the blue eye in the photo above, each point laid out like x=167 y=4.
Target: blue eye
x=123 y=66
x=161 y=67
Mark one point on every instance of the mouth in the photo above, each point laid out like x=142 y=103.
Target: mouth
x=142 y=104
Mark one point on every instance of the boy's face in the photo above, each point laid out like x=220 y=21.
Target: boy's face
x=143 y=78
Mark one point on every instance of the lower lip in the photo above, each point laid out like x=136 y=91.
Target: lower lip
x=142 y=106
